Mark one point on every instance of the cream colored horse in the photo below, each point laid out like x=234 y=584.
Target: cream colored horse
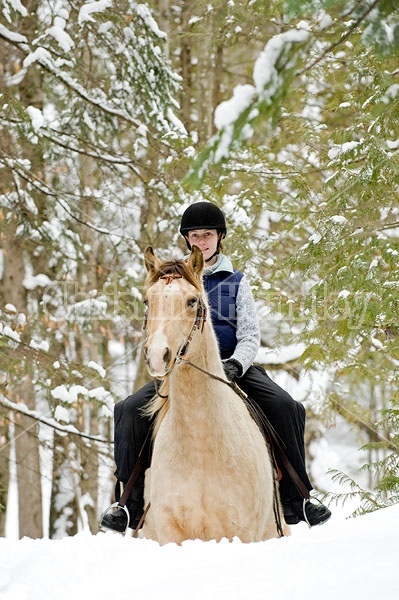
x=211 y=475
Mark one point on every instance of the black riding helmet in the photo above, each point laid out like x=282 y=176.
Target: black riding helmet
x=203 y=215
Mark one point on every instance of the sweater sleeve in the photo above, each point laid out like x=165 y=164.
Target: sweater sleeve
x=248 y=334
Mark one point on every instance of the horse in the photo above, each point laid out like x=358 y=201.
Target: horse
x=211 y=474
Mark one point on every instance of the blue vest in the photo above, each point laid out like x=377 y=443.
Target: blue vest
x=221 y=288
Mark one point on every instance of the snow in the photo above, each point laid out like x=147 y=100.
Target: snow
x=96 y=367
x=10 y=308
x=40 y=55
x=393 y=145
x=99 y=393
x=12 y=36
x=226 y=112
x=10 y=333
x=354 y=558
x=315 y=238
x=144 y=12
x=42 y=345
x=265 y=66
x=339 y=219
x=61 y=392
x=344 y=294
x=346 y=147
x=16 y=5
x=62 y=38
x=270 y=356
x=92 y=7
x=61 y=414
x=264 y=73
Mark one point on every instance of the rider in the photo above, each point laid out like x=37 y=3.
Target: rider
x=236 y=326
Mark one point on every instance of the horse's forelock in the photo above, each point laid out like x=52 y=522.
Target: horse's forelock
x=174 y=267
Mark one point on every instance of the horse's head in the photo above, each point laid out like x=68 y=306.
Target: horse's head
x=175 y=305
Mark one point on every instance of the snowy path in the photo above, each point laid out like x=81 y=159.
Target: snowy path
x=354 y=559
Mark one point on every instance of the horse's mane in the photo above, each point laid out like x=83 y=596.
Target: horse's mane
x=173 y=267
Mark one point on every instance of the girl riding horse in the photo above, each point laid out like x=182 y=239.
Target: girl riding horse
x=211 y=476
x=235 y=323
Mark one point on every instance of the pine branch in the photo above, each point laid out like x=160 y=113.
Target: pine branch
x=259 y=105
x=47 y=64
x=47 y=190
x=352 y=417
x=342 y=39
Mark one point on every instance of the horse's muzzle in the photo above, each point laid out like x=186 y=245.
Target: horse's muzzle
x=158 y=360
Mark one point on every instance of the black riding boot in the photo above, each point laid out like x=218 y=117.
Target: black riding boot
x=131 y=429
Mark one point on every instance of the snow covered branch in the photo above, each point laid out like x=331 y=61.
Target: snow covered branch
x=253 y=105
x=65 y=429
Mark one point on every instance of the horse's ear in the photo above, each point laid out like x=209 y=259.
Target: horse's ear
x=196 y=261
x=150 y=260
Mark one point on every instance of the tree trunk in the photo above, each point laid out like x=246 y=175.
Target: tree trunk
x=22 y=390
x=185 y=67
x=4 y=470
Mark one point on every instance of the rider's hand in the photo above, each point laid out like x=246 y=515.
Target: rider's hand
x=232 y=369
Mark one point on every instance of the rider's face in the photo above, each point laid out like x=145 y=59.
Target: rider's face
x=205 y=239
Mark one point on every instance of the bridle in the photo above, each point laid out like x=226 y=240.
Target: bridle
x=198 y=324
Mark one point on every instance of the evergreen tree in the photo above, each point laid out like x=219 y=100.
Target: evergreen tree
x=323 y=188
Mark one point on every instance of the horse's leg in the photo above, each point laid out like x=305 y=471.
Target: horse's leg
x=271 y=530
x=169 y=528
x=148 y=529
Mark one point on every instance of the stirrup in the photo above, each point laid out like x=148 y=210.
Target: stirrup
x=113 y=508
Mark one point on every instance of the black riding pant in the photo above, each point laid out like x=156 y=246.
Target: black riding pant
x=285 y=414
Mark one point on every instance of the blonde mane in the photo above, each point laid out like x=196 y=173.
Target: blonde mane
x=157 y=408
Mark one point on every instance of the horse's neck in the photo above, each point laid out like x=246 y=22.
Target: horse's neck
x=191 y=387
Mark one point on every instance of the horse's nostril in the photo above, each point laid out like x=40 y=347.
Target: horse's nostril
x=166 y=356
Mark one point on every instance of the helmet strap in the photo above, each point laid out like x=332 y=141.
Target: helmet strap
x=217 y=251
x=213 y=255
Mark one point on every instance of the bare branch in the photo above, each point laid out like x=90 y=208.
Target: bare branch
x=66 y=429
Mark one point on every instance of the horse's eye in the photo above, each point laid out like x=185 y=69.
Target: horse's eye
x=191 y=302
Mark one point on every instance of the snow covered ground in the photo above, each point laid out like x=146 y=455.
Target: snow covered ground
x=355 y=558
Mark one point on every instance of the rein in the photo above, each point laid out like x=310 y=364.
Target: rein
x=264 y=424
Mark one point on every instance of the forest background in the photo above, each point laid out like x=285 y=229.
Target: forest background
x=117 y=115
